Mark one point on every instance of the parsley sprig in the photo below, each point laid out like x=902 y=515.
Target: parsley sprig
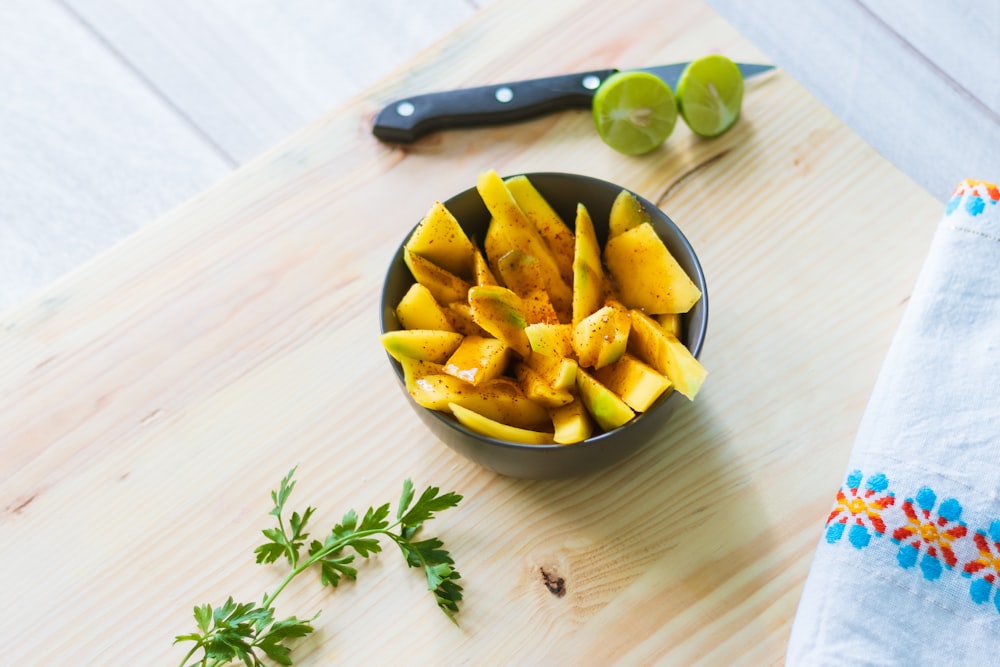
x=246 y=632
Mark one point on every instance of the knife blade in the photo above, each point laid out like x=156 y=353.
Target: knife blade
x=410 y=118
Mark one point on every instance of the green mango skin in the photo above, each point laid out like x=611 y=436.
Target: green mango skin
x=608 y=410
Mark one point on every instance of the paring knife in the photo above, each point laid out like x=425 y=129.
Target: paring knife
x=409 y=119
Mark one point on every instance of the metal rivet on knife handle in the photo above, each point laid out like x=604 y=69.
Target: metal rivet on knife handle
x=504 y=94
x=591 y=82
x=405 y=109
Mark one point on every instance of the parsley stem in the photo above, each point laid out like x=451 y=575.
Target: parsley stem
x=320 y=555
x=190 y=653
x=237 y=631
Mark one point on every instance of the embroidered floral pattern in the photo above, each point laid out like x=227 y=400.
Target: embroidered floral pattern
x=861 y=511
x=929 y=533
x=973 y=197
x=984 y=570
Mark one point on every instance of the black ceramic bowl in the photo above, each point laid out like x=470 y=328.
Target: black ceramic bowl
x=563 y=192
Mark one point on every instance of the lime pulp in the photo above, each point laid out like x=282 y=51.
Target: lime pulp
x=634 y=112
x=710 y=94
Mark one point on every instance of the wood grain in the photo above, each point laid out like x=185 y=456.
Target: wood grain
x=918 y=84
x=89 y=153
x=154 y=397
x=248 y=74
x=114 y=113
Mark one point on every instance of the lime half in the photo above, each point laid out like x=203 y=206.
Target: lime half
x=634 y=112
x=710 y=95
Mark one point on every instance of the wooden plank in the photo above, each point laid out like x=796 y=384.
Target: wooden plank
x=248 y=74
x=152 y=401
x=961 y=38
x=89 y=153
x=925 y=100
x=107 y=126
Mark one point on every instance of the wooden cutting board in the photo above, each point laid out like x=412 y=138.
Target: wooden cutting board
x=153 y=399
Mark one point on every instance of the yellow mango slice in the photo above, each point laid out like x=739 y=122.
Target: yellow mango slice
x=671 y=323
x=558 y=372
x=418 y=310
x=647 y=275
x=616 y=339
x=500 y=399
x=491 y=428
x=538 y=309
x=520 y=272
x=553 y=340
x=588 y=274
x=439 y=238
x=414 y=369
x=459 y=314
x=604 y=405
x=600 y=338
x=538 y=390
x=481 y=273
x=421 y=344
x=478 y=360
x=511 y=229
x=637 y=383
x=666 y=354
x=572 y=423
x=626 y=213
x=556 y=233
x=500 y=312
x=444 y=285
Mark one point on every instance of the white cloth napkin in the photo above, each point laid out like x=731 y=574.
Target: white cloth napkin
x=907 y=571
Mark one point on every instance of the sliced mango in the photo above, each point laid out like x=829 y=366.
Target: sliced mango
x=538 y=309
x=572 y=423
x=520 y=272
x=478 y=360
x=666 y=354
x=671 y=323
x=555 y=232
x=511 y=229
x=491 y=428
x=558 y=372
x=481 y=273
x=600 y=338
x=500 y=399
x=459 y=314
x=418 y=310
x=421 y=344
x=647 y=275
x=588 y=274
x=444 y=285
x=500 y=311
x=554 y=340
x=626 y=213
x=638 y=384
x=604 y=405
x=538 y=390
x=439 y=238
x=414 y=369
x=534 y=338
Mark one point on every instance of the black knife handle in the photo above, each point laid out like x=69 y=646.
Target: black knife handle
x=409 y=119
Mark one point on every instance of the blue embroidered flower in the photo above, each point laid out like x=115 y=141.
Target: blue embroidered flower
x=863 y=512
x=930 y=535
x=984 y=570
x=973 y=196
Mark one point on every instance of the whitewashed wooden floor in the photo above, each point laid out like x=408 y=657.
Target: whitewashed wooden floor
x=112 y=112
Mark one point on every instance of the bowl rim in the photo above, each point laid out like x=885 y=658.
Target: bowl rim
x=594 y=441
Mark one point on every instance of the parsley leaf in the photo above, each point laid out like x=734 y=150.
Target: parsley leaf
x=235 y=631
